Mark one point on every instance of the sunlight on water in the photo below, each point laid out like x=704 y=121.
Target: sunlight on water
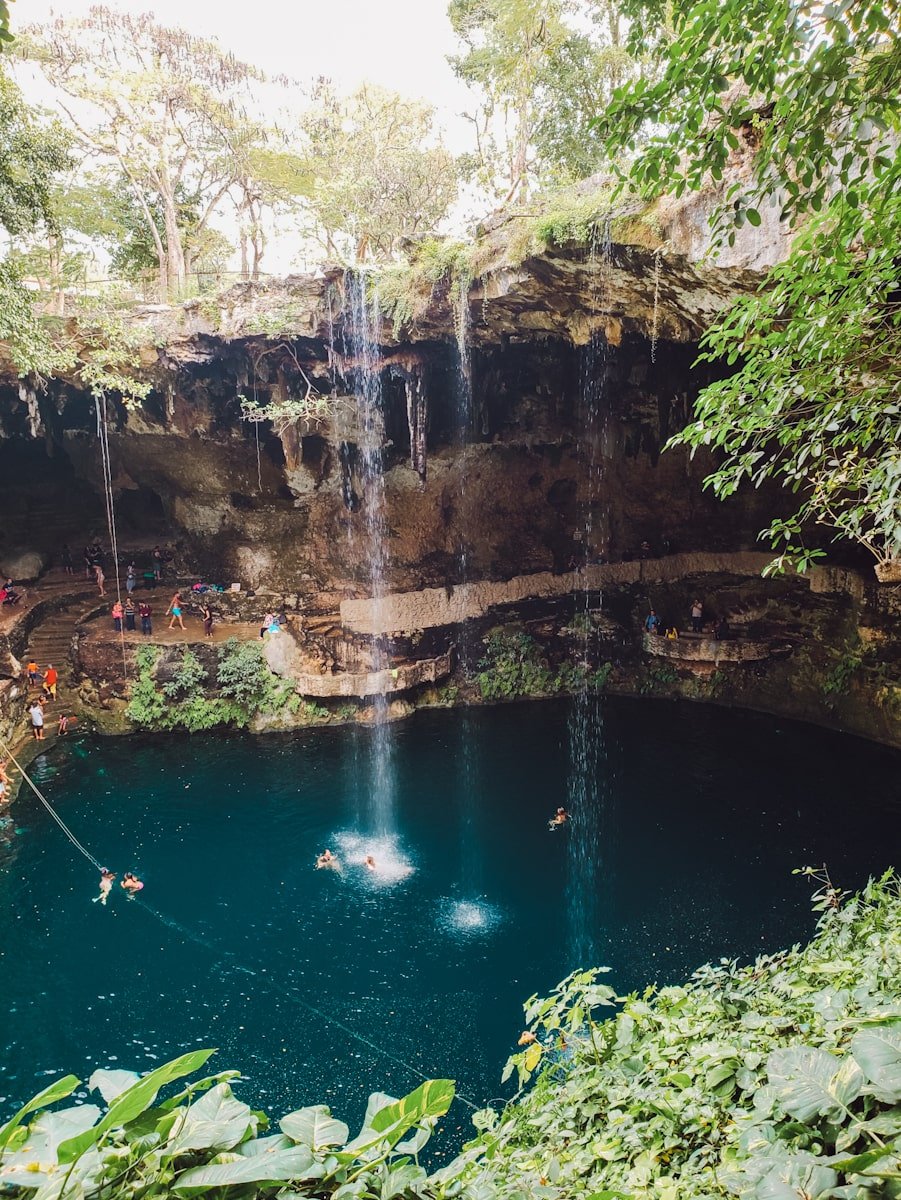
x=392 y=865
x=469 y=918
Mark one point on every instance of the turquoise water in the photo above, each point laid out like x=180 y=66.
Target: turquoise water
x=429 y=958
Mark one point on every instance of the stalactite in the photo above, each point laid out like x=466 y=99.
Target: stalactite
x=417 y=419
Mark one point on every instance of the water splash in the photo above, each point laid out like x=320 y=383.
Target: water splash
x=466 y=919
x=392 y=863
x=369 y=532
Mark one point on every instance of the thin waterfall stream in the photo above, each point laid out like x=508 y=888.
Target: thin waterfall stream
x=369 y=534
x=589 y=795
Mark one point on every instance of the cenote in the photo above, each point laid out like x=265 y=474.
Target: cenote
x=702 y=815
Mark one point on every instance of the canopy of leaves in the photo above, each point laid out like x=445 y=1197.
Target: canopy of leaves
x=32 y=153
x=794 y=107
x=168 y=112
x=543 y=70
x=375 y=173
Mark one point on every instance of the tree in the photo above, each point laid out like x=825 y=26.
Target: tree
x=372 y=171
x=167 y=110
x=809 y=94
x=32 y=154
x=544 y=69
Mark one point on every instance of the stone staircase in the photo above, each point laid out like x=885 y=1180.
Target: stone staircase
x=51 y=642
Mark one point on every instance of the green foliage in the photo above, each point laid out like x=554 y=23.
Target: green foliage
x=512 y=666
x=542 y=69
x=838 y=680
x=781 y=1079
x=376 y=175
x=447 y=695
x=656 y=677
x=34 y=351
x=32 y=155
x=810 y=98
x=244 y=688
x=109 y=349
x=204 y=1139
x=402 y=289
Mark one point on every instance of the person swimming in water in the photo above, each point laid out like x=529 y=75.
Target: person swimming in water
x=560 y=817
x=369 y=862
x=131 y=883
x=326 y=859
x=106 y=885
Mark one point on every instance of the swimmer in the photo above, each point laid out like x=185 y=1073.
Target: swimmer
x=131 y=883
x=369 y=862
x=106 y=885
x=560 y=817
x=326 y=859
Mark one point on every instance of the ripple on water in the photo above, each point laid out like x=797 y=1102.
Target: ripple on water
x=469 y=918
x=392 y=864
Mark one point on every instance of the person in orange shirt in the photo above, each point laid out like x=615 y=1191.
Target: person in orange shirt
x=51 y=676
x=33 y=673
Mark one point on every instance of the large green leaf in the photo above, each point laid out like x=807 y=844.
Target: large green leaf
x=810 y=1082
x=386 y=1123
x=277 y=1166
x=56 y=1091
x=431 y=1099
x=314 y=1126
x=132 y=1102
x=217 y=1121
x=878 y=1051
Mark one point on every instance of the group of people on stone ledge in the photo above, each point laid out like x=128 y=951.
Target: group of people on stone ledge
x=718 y=630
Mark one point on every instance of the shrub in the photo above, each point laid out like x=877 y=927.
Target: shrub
x=512 y=666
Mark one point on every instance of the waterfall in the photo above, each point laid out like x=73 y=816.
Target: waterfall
x=588 y=886
x=468 y=775
x=369 y=528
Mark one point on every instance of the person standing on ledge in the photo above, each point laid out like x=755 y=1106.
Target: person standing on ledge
x=157 y=557
x=129 y=613
x=697 y=615
x=207 y=619
x=652 y=622
x=175 y=609
x=117 y=616
x=145 y=612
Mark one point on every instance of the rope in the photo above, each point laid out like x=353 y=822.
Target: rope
x=290 y=992
x=103 y=435
x=50 y=809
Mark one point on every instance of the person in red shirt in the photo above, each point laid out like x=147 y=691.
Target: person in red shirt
x=51 y=677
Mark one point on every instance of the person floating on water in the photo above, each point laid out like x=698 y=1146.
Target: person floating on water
x=131 y=883
x=106 y=885
x=369 y=862
x=560 y=817
x=326 y=859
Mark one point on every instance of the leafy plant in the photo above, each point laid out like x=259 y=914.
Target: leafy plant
x=204 y=1139
x=512 y=666
x=792 y=109
x=244 y=688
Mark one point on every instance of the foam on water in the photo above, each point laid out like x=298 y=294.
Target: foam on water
x=469 y=918
x=392 y=865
